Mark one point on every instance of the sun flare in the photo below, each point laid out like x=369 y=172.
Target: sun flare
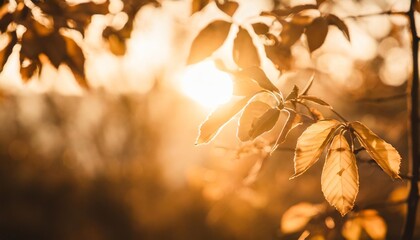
x=206 y=84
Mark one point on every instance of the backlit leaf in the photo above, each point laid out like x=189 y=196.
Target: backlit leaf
x=217 y=119
x=352 y=229
x=245 y=53
x=373 y=224
x=293 y=94
x=228 y=7
x=334 y=20
x=208 y=40
x=293 y=120
x=382 y=152
x=244 y=86
x=297 y=216
x=311 y=144
x=316 y=33
x=340 y=179
x=198 y=5
x=257 y=118
x=314 y=99
x=257 y=74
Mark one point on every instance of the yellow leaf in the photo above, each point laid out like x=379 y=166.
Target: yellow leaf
x=311 y=144
x=296 y=217
x=373 y=224
x=382 y=152
x=340 y=179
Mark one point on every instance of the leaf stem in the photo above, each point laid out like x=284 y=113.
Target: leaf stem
x=338 y=115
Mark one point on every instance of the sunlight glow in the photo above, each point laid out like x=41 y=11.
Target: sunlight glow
x=206 y=84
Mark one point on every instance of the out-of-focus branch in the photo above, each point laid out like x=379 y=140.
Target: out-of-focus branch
x=389 y=13
x=384 y=99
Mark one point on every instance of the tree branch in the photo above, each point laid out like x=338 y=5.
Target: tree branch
x=389 y=13
x=413 y=133
x=384 y=99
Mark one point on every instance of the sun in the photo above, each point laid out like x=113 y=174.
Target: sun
x=206 y=84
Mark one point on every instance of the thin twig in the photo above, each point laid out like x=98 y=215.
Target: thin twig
x=389 y=12
x=413 y=126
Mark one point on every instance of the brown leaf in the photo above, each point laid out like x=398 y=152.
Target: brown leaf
x=336 y=21
x=290 y=34
x=76 y=61
x=245 y=53
x=316 y=33
x=217 y=119
x=7 y=51
x=228 y=7
x=340 y=179
x=208 y=40
x=293 y=94
x=382 y=152
x=54 y=46
x=280 y=56
x=311 y=144
x=252 y=111
x=5 y=20
x=260 y=28
x=198 y=5
x=293 y=120
x=298 y=216
x=26 y=72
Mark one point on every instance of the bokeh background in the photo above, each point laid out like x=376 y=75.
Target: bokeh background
x=119 y=161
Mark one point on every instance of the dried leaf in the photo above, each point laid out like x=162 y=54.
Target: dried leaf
x=316 y=33
x=216 y=120
x=311 y=144
x=297 y=216
x=334 y=20
x=257 y=74
x=245 y=53
x=314 y=99
x=208 y=40
x=340 y=179
x=228 y=7
x=382 y=152
x=198 y=5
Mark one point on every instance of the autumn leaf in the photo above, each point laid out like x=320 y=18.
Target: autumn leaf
x=298 y=216
x=382 y=152
x=257 y=118
x=280 y=55
x=290 y=33
x=340 y=179
x=311 y=144
x=198 y=5
x=76 y=61
x=260 y=28
x=216 y=120
x=293 y=94
x=208 y=40
x=316 y=33
x=336 y=21
x=228 y=7
x=368 y=220
x=245 y=53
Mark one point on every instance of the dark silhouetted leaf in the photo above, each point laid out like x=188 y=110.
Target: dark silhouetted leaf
x=280 y=56
x=290 y=33
x=55 y=49
x=198 y=5
x=28 y=71
x=7 y=51
x=76 y=61
x=260 y=28
x=293 y=120
x=228 y=7
x=311 y=144
x=315 y=100
x=316 y=33
x=334 y=20
x=245 y=53
x=257 y=74
x=253 y=111
x=5 y=20
x=216 y=120
x=293 y=94
x=382 y=152
x=340 y=179
x=208 y=40
x=264 y=123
